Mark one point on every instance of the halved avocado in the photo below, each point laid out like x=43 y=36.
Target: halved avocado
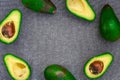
x=81 y=8
x=10 y=26
x=18 y=68
x=97 y=66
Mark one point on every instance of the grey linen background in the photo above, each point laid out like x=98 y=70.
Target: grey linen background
x=59 y=39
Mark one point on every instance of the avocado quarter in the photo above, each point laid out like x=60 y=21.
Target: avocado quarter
x=57 y=72
x=96 y=66
x=18 y=68
x=10 y=26
x=81 y=8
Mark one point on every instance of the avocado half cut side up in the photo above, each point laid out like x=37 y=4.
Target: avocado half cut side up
x=81 y=8
x=109 y=24
x=10 y=26
x=57 y=72
x=44 y=6
x=18 y=68
x=96 y=66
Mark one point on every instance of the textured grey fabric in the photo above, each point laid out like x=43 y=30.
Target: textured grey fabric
x=59 y=39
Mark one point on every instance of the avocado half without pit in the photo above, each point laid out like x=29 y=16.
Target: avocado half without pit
x=18 y=68
x=10 y=26
x=81 y=8
x=57 y=72
x=97 y=65
x=44 y=6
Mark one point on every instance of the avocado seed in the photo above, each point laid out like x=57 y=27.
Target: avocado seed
x=96 y=67
x=8 y=29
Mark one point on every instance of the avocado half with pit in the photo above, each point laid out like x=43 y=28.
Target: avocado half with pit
x=97 y=66
x=18 y=68
x=81 y=8
x=10 y=26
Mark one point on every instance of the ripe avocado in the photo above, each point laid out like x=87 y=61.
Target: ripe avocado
x=109 y=24
x=18 y=68
x=10 y=26
x=44 y=6
x=96 y=66
x=81 y=8
x=57 y=72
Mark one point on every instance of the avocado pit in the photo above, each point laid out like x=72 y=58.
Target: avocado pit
x=96 y=67
x=19 y=69
x=8 y=29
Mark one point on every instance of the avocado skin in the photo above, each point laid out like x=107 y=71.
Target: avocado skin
x=81 y=16
x=51 y=73
x=21 y=60
x=109 y=24
x=44 y=6
x=104 y=71
x=19 y=25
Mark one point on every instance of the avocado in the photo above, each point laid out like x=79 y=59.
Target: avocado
x=10 y=26
x=44 y=6
x=96 y=66
x=81 y=8
x=18 y=68
x=57 y=72
x=109 y=24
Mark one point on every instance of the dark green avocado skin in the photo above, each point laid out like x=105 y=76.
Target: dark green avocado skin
x=109 y=24
x=57 y=72
x=44 y=6
x=21 y=60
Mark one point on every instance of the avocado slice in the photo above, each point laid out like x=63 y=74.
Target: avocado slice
x=18 y=68
x=81 y=8
x=57 y=72
x=96 y=66
x=10 y=26
x=109 y=24
x=44 y=6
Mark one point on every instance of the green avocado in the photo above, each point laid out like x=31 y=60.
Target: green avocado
x=44 y=6
x=81 y=8
x=109 y=24
x=18 y=68
x=57 y=72
x=96 y=66
x=10 y=26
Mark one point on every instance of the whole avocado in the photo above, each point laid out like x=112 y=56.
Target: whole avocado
x=44 y=6
x=57 y=72
x=109 y=24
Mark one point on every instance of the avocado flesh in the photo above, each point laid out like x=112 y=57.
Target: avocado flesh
x=44 y=6
x=57 y=72
x=81 y=8
x=10 y=27
x=109 y=24
x=17 y=67
x=106 y=58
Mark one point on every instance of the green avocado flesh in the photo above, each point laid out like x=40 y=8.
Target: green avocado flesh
x=10 y=27
x=81 y=8
x=109 y=24
x=18 y=68
x=96 y=66
x=57 y=72
x=44 y=6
